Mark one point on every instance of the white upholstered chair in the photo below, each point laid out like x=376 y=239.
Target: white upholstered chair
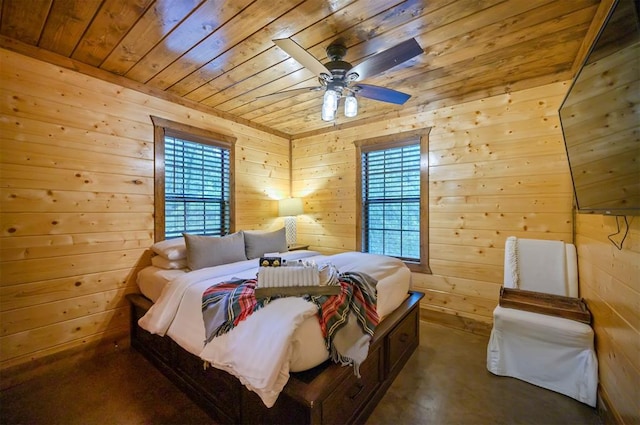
x=548 y=351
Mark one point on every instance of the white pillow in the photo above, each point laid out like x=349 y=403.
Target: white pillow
x=171 y=249
x=209 y=251
x=162 y=263
x=258 y=243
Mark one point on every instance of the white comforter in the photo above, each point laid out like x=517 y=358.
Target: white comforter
x=259 y=351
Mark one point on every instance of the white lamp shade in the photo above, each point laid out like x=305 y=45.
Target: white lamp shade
x=350 y=106
x=329 y=105
x=290 y=207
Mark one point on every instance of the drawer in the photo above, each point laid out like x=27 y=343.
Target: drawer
x=350 y=394
x=216 y=385
x=157 y=346
x=402 y=340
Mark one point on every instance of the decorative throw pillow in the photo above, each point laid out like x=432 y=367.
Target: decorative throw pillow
x=258 y=243
x=171 y=249
x=209 y=251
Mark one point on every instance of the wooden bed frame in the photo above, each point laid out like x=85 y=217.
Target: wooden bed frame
x=326 y=394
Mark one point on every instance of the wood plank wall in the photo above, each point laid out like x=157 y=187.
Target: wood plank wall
x=610 y=283
x=497 y=168
x=76 y=182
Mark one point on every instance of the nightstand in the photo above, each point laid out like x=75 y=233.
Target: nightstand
x=298 y=247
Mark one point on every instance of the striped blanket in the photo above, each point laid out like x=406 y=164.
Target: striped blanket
x=347 y=320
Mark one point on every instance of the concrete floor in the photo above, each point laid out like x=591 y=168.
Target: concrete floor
x=444 y=382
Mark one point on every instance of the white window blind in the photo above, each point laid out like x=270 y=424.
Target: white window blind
x=391 y=202
x=197 y=188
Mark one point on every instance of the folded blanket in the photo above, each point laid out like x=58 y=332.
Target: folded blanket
x=536 y=265
x=347 y=320
x=226 y=304
x=347 y=339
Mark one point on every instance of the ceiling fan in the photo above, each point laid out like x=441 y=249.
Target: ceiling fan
x=340 y=79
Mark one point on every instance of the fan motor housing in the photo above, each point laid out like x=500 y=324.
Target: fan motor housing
x=336 y=51
x=338 y=69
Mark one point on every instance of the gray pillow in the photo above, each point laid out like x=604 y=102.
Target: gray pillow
x=209 y=251
x=258 y=243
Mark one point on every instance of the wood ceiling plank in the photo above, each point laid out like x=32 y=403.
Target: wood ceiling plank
x=246 y=53
x=551 y=63
x=237 y=94
x=24 y=23
x=240 y=103
x=254 y=18
x=109 y=25
x=249 y=68
x=307 y=112
x=206 y=83
x=158 y=21
x=385 y=34
x=461 y=18
x=66 y=23
x=276 y=105
x=317 y=36
x=478 y=70
x=389 y=27
x=486 y=41
x=308 y=102
x=206 y=19
x=458 y=21
x=505 y=34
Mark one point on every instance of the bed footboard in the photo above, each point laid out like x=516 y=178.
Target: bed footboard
x=326 y=394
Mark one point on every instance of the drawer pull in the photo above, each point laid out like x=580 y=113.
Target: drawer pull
x=355 y=390
x=404 y=337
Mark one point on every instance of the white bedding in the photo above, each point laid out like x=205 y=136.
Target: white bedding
x=283 y=336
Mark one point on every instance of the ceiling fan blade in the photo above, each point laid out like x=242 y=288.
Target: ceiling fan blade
x=382 y=94
x=391 y=57
x=290 y=93
x=301 y=56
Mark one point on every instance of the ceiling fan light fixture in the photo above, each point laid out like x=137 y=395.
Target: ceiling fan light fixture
x=329 y=105
x=350 y=106
x=338 y=77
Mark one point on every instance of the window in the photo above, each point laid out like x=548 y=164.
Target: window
x=193 y=181
x=392 y=207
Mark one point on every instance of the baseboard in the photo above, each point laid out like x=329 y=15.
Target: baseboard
x=605 y=411
x=455 y=321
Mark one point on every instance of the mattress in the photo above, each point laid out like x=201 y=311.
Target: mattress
x=307 y=344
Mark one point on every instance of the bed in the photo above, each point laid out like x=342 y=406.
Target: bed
x=255 y=378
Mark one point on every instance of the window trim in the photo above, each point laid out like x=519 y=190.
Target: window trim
x=163 y=127
x=395 y=141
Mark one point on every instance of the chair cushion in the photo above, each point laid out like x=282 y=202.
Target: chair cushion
x=542 y=327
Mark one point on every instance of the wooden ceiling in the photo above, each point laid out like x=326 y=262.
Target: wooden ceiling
x=220 y=54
